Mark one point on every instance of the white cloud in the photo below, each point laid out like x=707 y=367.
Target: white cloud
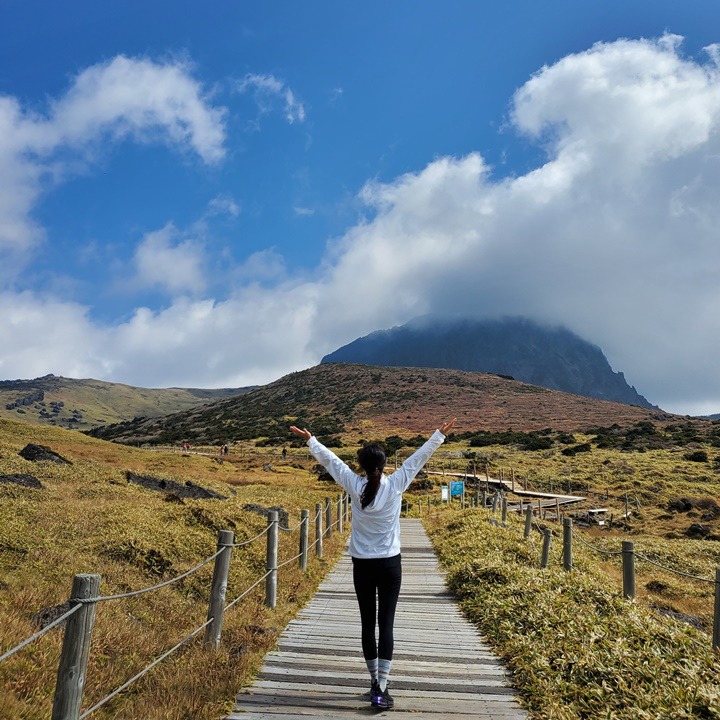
x=224 y=205
x=614 y=235
x=261 y=267
x=164 y=260
x=125 y=97
x=269 y=93
x=303 y=211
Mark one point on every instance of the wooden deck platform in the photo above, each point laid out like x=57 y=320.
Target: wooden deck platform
x=441 y=667
x=546 y=499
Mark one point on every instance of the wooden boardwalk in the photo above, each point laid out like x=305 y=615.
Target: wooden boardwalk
x=551 y=498
x=441 y=667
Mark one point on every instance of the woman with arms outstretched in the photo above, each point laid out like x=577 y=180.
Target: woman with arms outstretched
x=375 y=542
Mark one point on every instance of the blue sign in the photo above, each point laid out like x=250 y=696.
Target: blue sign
x=457 y=487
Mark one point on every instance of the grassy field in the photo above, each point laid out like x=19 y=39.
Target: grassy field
x=88 y=518
x=576 y=649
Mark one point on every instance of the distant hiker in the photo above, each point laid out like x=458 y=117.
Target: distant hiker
x=284 y=453
x=375 y=543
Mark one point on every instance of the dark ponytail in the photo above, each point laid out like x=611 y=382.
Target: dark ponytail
x=372 y=460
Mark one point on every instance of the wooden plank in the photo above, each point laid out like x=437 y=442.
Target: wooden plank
x=277 y=688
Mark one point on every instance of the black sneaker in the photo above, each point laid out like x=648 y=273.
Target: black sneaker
x=382 y=699
x=374 y=689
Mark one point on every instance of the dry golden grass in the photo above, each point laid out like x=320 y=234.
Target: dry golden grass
x=653 y=478
x=87 y=518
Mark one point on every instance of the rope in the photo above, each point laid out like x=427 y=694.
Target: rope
x=292 y=529
x=145 y=670
x=170 y=651
x=47 y=628
x=242 y=595
x=535 y=548
x=102 y=598
x=672 y=570
x=287 y=562
x=596 y=549
x=251 y=540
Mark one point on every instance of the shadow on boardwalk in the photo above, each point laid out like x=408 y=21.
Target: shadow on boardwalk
x=441 y=668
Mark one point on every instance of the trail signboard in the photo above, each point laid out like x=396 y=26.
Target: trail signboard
x=457 y=487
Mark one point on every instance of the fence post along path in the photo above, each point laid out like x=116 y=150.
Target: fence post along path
x=218 y=589
x=76 y=650
x=441 y=667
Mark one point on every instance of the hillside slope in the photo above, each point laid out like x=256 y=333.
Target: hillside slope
x=551 y=357
x=89 y=517
x=83 y=404
x=362 y=401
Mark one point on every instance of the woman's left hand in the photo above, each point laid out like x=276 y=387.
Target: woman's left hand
x=305 y=434
x=448 y=426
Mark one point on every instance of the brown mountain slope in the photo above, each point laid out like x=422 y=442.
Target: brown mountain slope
x=364 y=401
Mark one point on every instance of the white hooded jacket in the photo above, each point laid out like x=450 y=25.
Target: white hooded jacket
x=376 y=529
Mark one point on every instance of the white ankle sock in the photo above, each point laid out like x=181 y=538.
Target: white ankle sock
x=372 y=666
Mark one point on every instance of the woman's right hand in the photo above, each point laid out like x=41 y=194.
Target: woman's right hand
x=305 y=434
x=448 y=426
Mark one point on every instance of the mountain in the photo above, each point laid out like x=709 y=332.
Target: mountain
x=83 y=404
x=551 y=357
x=365 y=401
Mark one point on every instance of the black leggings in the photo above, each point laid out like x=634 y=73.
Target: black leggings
x=383 y=575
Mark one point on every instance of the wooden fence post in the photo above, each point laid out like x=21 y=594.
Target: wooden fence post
x=628 y=569
x=340 y=509
x=304 y=535
x=716 y=614
x=567 y=543
x=318 y=530
x=547 y=539
x=512 y=475
x=271 y=560
x=218 y=589
x=328 y=518
x=504 y=510
x=75 y=650
x=528 y=521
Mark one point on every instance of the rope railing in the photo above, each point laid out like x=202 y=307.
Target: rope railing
x=673 y=570
x=85 y=598
x=133 y=593
x=287 y=562
x=291 y=529
x=596 y=549
x=39 y=634
x=251 y=540
x=243 y=594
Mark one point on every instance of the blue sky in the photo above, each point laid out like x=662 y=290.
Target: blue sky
x=217 y=194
